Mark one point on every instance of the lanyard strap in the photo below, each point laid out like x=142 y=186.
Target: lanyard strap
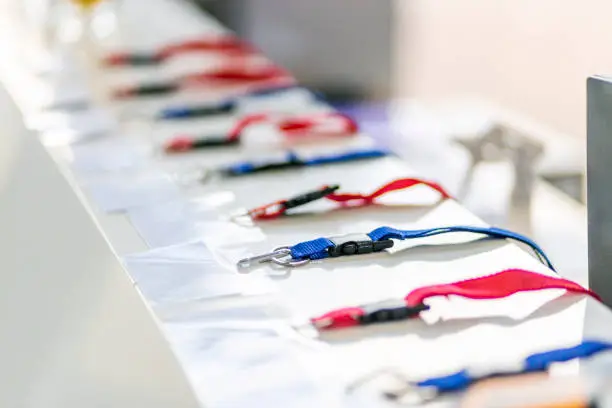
x=279 y=208
x=226 y=106
x=237 y=74
x=380 y=238
x=534 y=363
x=292 y=160
x=229 y=45
x=495 y=286
x=329 y=123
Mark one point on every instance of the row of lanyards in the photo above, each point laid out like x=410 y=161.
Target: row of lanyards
x=327 y=124
x=494 y=286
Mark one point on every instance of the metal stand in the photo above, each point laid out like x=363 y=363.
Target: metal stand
x=500 y=142
x=599 y=193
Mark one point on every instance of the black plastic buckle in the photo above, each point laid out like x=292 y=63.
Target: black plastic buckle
x=156 y=89
x=214 y=141
x=389 y=311
x=142 y=60
x=309 y=197
x=356 y=244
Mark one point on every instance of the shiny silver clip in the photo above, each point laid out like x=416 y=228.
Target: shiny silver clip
x=406 y=393
x=279 y=256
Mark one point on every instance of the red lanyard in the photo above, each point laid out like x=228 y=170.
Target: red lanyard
x=324 y=124
x=496 y=286
x=227 y=45
x=227 y=75
x=279 y=208
x=235 y=73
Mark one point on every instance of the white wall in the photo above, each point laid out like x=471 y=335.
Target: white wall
x=530 y=56
x=326 y=41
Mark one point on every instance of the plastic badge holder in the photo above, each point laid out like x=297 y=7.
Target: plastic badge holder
x=72 y=127
x=110 y=155
x=183 y=221
x=226 y=374
x=188 y=272
x=114 y=194
x=69 y=93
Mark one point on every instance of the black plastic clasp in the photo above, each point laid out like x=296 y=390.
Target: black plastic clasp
x=356 y=244
x=143 y=60
x=389 y=311
x=214 y=141
x=309 y=197
x=156 y=89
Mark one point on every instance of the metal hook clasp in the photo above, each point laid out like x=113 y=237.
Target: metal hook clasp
x=407 y=393
x=279 y=256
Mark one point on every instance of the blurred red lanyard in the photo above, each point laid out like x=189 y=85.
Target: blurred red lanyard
x=227 y=45
x=321 y=124
x=228 y=74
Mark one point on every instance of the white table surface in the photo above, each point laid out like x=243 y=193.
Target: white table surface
x=475 y=331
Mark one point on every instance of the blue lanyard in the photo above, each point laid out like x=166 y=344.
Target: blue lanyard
x=227 y=106
x=534 y=363
x=185 y=112
x=292 y=160
x=375 y=241
x=380 y=239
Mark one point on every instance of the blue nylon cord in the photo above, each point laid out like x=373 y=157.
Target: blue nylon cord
x=248 y=167
x=317 y=249
x=344 y=157
x=186 y=111
x=534 y=363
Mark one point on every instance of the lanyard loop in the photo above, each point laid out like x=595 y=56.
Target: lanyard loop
x=279 y=208
x=495 y=286
x=290 y=126
x=226 y=45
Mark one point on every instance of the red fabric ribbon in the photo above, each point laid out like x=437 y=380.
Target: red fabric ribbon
x=290 y=126
x=495 y=286
x=276 y=209
x=395 y=185
x=225 y=44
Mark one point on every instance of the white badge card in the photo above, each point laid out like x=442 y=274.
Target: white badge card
x=71 y=127
x=113 y=154
x=115 y=194
x=169 y=223
x=189 y=272
x=268 y=372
